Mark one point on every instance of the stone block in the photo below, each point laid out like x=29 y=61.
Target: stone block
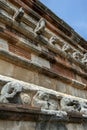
x=44 y=81
x=63 y=71
x=40 y=61
x=3 y=44
x=17 y=125
x=61 y=87
x=50 y=126
x=76 y=126
x=23 y=74
x=6 y=68
x=19 y=51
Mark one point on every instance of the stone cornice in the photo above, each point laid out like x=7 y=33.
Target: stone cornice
x=23 y=112
x=29 y=33
x=48 y=15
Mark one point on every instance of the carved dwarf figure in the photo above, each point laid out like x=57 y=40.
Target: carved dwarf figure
x=66 y=48
x=9 y=91
x=47 y=105
x=70 y=105
x=83 y=110
x=84 y=59
x=19 y=14
x=53 y=104
x=53 y=40
x=77 y=55
x=40 y=26
x=42 y=100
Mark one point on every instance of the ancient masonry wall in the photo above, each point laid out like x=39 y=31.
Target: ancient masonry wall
x=39 y=50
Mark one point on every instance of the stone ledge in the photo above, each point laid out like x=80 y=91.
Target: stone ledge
x=19 y=61
x=6 y=7
x=16 y=112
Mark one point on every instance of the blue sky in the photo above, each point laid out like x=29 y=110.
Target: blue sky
x=73 y=12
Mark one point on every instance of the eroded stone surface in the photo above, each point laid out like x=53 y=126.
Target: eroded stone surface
x=66 y=48
x=70 y=105
x=40 y=26
x=18 y=33
x=9 y=91
x=4 y=44
x=84 y=59
x=50 y=126
x=77 y=55
x=53 y=40
x=18 y=125
x=49 y=101
x=18 y=15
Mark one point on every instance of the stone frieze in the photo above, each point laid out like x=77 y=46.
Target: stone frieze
x=47 y=100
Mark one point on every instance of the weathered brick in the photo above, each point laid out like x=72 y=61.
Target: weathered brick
x=19 y=51
x=63 y=71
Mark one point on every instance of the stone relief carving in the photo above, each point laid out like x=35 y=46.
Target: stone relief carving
x=47 y=105
x=25 y=98
x=70 y=105
x=66 y=48
x=53 y=40
x=48 y=102
x=83 y=109
x=19 y=14
x=53 y=104
x=77 y=55
x=40 y=26
x=9 y=91
x=42 y=100
x=84 y=59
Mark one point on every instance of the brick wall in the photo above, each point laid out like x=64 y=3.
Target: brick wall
x=19 y=51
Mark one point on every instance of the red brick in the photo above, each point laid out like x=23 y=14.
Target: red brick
x=63 y=71
x=19 y=51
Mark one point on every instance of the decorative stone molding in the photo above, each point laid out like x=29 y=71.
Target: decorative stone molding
x=84 y=59
x=9 y=91
x=29 y=102
x=43 y=100
x=18 y=15
x=77 y=55
x=46 y=100
x=40 y=26
x=53 y=40
x=25 y=98
x=66 y=48
x=83 y=109
x=70 y=105
x=30 y=34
